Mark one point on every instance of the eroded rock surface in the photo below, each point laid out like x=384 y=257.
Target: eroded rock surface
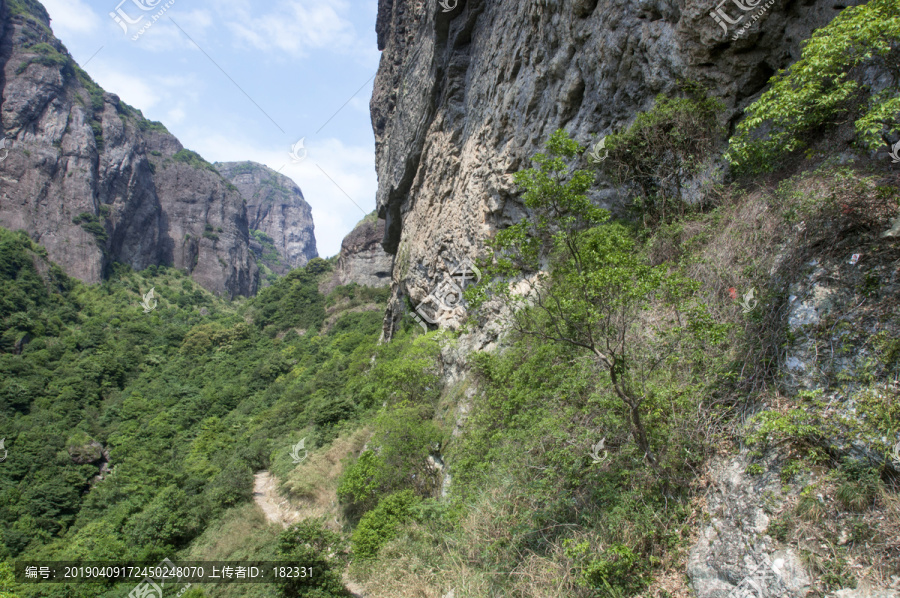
x=735 y=546
x=362 y=259
x=275 y=207
x=93 y=181
x=464 y=98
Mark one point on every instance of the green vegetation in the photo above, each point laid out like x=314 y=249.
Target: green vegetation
x=599 y=290
x=92 y=224
x=569 y=460
x=189 y=405
x=46 y=55
x=268 y=259
x=192 y=159
x=311 y=544
x=663 y=149
x=32 y=10
x=825 y=87
x=380 y=525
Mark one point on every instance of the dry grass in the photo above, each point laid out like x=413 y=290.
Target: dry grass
x=312 y=485
x=425 y=563
x=241 y=534
x=868 y=542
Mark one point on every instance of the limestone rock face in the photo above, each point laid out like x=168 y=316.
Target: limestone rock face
x=464 y=98
x=734 y=548
x=276 y=208
x=93 y=181
x=362 y=259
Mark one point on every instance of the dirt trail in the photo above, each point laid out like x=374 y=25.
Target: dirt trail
x=277 y=508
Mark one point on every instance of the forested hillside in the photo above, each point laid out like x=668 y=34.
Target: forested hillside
x=692 y=393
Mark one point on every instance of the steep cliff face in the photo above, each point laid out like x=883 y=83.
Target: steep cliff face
x=362 y=259
x=276 y=208
x=95 y=183
x=464 y=98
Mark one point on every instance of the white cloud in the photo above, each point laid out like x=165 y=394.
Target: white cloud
x=165 y=36
x=170 y=97
x=71 y=17
x=176 y=115
x=133 y=89
x=294 y=28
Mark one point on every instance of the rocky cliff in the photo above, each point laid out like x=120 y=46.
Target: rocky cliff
x=93 y=181
x=362 y=260
x=276 y=208
x=467 y=92
x=464 y=97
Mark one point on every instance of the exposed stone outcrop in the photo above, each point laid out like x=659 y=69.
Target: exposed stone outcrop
x=734 y=546
x=362 y=259
x=464 y=98
x=95 y=183
x=276 y=208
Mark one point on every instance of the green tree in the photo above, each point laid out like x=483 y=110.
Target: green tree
x=380 y=525
x=568 y=275
x=310 y=544
x=825 y=85
x=663 y=149
x=7 y=581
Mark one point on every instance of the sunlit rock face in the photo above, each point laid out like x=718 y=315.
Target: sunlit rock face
x=362 y=259
x=95 y=183
x=469 y=90
x=275 y=207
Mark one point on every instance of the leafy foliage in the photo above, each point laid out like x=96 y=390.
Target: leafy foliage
x=381 y=524
x=663 y=149
x=186 y=404
x=193 y=159
x=598 y=289
x=825 y=86
x=310 y=544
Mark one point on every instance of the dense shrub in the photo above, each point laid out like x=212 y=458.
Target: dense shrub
x=827 y=85
x=310 y=544
x=665 y=147
x=380 y=525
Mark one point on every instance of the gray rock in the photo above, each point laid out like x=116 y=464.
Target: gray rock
x=864 y=591
x=79 y=154
x=734 y=547
x=275 y=207
x=463 y=99
x=362 y=260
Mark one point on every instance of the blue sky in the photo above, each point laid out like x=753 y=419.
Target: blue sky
x=295 y=64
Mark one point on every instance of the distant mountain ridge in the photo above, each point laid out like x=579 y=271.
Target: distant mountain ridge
x=277 y=209
x=93 y=181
